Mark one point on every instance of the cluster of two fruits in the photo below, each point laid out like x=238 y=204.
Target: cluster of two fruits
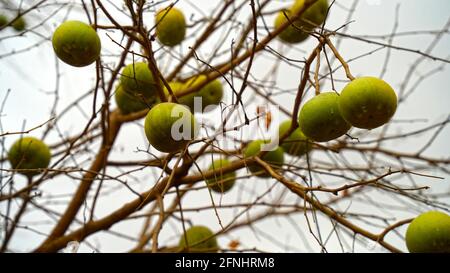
x=18 y=25
x=365 y=103
x=78 y=44
x=162 y=116
x=427 y=233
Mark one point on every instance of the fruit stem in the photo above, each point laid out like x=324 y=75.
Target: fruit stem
x=339 y=57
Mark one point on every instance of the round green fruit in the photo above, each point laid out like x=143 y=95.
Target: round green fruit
x=429 y=233
x=198 y=239
x=137 y=78
x=211 y=94
x=170 y=26
x=314 y=16
x=29 y=153
x=76 y=43
x=131 y=102
x=221 y=182
x=3 y=20
x=320 y=118
x=296 y=143
x=274 y=158
x=367 y=102
x=169 y=127
x=291 y=34
x=19 y=24
x=298 y=30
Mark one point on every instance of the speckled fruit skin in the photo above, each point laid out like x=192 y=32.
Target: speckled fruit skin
x=429 y=233
x=171 y=26
x=130 y=102
x=211 y=94
x=137 y=78
x=19 y=24
x=311 y=18
x=367 y=102
x=297 y=143
x=158 y=126
x=3 y=20
x=222 y=182
x=274 y=158
x=29 y=153
x=320 y=119
x=199 y=239
x=76 y=43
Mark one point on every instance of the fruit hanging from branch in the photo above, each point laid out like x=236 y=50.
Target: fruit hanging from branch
x=169 y=127
x=274 y=158
x=367 y=102
x=129 y=102
x=298 y=29
x=221 y=182
x=19 y=24
x=137 y=79
x=296 y=144
x=198 y=239
x=27 y=154
x=429 y=233
x=3 y=20
x=211 y=94
x=320 y=118
x=76 y=43
x=170 y=26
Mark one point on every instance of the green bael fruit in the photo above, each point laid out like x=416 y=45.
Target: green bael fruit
x=221 y=182
x=297 y=143
x=211 y=93
x=429 y=233
x=170 y=26
x=131 y=102
x=274 y=158
x=367 y=102
x=291 y=34
x=76 y=43
x=137 y=78
x=29 y=153
x=199 y=239
x=169 y=127
x=3 y=20
x=19 y=24
x=320 y=118
x=314 y=16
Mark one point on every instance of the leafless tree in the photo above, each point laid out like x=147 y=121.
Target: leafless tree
x=107 y=185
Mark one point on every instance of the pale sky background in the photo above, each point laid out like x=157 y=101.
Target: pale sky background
x=31 y=76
